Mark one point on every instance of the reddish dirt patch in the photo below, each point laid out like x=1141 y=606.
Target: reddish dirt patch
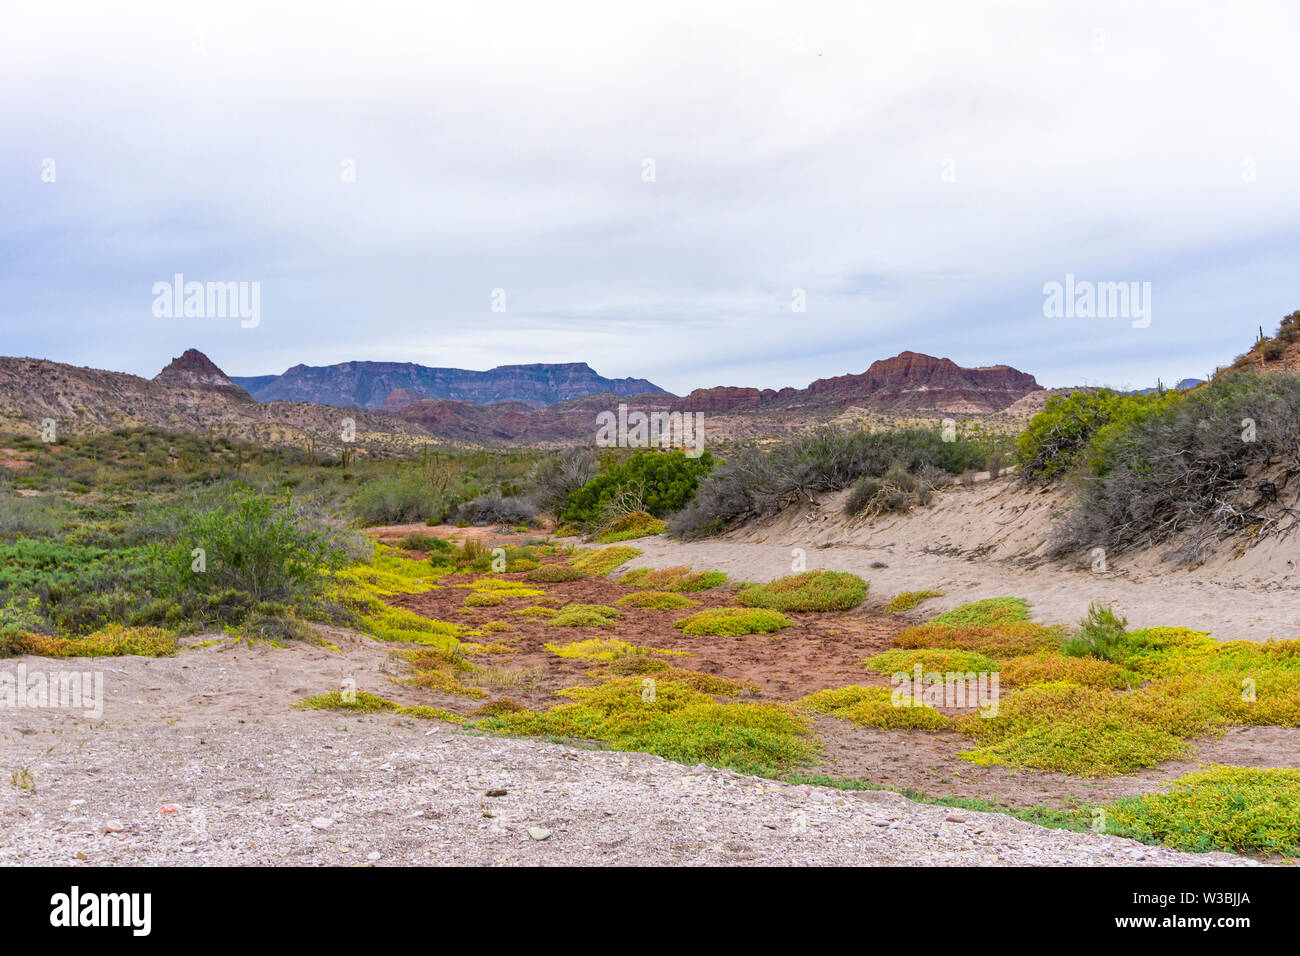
x=821 y=650
x=818 y=651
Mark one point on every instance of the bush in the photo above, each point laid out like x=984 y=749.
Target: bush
x=1191 y=467
x=495 y=510
x=257 y=546
x=873 y=707
x=1242 y=809
x=732 y=622
x=1079 y=428
x=809 y=591
x=673 y=579
x=658 y=600
x=559 y=475
x=906 y=600
x=1098 y=635
x=638 y=524
x=658 y=482
x=585 y=615
x=755 y=482
x=554 y=574
x=601 y=561
x=403 y=498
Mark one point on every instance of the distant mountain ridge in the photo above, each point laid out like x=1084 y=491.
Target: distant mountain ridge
x=394 y=385
x=193 y=394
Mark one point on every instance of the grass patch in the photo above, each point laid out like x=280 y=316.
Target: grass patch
x=657 y=600
x=554 y=574
x=989 y=612
x=601 y=561
x=362 y=702
x=898 y=660
x=809 y=591
x=732 y=622
x=112 y=641
x=666 y=715
x=673 y=579
x=1242 y=809
x=638 y=524
x=873 y=707
x=601 y=649
x=906 y=600
x=585 y=615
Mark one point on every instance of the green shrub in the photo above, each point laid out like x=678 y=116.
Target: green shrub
x=1062 y=435
x=658 y=482
x=1098 y=635
x=1242 y=809
x=601 y=561
x=906 y=600
x=585 y=615
x=673 y=579
x=873 y=707
x=656 y=600
x=1189 y=467
x=638 y=524
x=810 y=591
x=257 y=546
x=554 y=574
x=732 y=622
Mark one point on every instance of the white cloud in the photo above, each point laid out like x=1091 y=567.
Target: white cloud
x=501 y=145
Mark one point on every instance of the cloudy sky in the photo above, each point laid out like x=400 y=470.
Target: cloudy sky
x=649 y=184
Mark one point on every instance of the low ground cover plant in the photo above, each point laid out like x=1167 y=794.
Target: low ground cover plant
x=732 y=622
x=809 y=591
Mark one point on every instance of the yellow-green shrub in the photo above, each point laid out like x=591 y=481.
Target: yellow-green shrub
x=810 y=591
x=873 y=707
x=732 y=622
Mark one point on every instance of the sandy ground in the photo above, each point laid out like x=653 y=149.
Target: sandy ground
x=200 y=760
x=987 y=540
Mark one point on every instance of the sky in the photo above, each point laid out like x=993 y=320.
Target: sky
x=700 y=194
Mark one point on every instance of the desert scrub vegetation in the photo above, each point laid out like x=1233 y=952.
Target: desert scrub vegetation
x=757 y=481
x=1242 y=809
x=906 y=600
x=1076 y=430
x=873 y=707
x=585 y=615
x=900 y=661
x=667 y=716
x=602 y=649
x=657 y=482
x=363 y=702
x=113 y=641
x=602 y=561
x=809 y=591
x=1184 y=469
x=637 y=524
x=656 y=600
x=732 y=622
x=556 y=573
x=673 y=579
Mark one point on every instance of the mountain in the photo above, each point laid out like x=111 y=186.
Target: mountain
x=190 y=394
x=370 y=384
x=193 y=369
x=910 y=382
x=193 y=394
